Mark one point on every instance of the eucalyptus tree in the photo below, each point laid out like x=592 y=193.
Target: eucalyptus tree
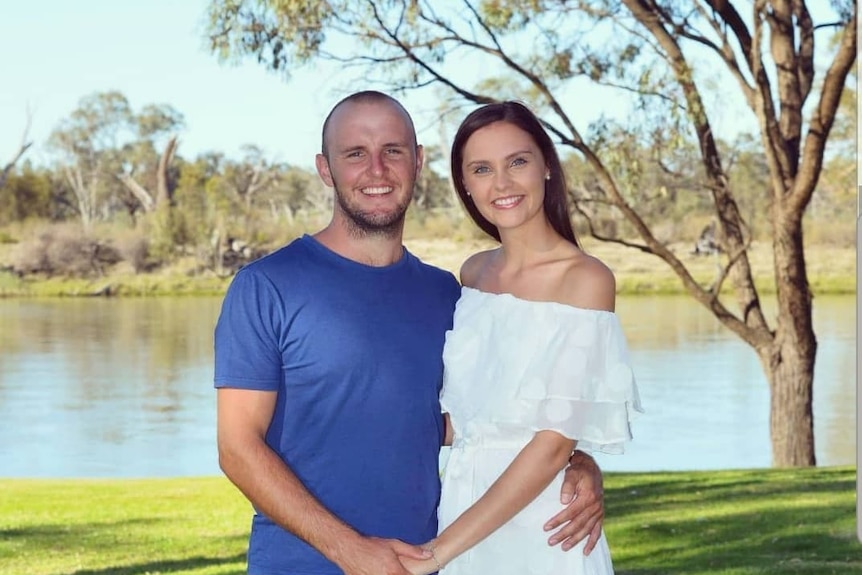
x=252 y=175
x=106 y=150
x=87 y=142
x=680 y=63
x=27 y=193
x=147 y=158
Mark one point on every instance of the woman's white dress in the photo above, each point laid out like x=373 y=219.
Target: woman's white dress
x=514 y=367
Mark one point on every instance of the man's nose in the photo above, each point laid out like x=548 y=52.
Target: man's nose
x=377 y=167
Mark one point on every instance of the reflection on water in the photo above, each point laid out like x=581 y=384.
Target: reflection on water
x=107 y=387
x=706 y=396
x=122 y=388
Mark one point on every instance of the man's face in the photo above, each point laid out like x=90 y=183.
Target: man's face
x=372 y=162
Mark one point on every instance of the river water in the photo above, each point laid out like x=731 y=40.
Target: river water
x=123 y=388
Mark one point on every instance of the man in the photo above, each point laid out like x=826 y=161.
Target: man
x=328 y=366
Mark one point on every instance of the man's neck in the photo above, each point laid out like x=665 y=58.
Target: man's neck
x=376 y=250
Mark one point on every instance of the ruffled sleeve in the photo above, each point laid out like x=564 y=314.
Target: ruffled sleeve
x=580 y=385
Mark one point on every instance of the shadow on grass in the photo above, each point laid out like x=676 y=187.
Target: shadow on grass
x=103 y=539
x=99 y=536
x=635 y=494
x=750 y=523
x=169 y=566
x=55 y=531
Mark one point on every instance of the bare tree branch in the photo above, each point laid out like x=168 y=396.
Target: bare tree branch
x=823 y=116
x=22 y=148
x=715 y=287
x=163 y=191
x=147 y=201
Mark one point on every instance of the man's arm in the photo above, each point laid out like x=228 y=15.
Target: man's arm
x=583 y=495
x=260 y=474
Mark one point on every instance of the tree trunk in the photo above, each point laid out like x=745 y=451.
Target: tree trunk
x=143 y=196
x=789 y=361
x=164 y=194
x=84 y=194
x=791 y=422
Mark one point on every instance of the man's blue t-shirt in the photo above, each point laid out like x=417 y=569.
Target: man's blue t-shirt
x=355 y=354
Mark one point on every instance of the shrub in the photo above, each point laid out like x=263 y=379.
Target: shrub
x=64 y=250
x=134 y=248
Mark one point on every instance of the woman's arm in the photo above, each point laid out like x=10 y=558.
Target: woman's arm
x=526 y=477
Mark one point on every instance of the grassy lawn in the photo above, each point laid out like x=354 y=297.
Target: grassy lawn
x=729 y=522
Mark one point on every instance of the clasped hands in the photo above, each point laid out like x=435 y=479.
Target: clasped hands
x=583 y=497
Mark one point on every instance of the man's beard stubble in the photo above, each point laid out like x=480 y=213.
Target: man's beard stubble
x=363 y=224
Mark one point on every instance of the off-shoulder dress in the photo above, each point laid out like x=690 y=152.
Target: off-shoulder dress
x=514 y=367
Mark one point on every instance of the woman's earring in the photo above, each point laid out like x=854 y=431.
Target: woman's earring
x=548 y=176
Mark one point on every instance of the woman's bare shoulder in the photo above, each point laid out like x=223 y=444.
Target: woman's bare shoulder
x=474 y=265
x=588 y=283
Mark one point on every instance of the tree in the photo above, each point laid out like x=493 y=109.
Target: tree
x=25 y=194
x=665 y=55
x=107 y=150
x=87 y=142
x=251 y=176
x=141 y=159
x=22 y=148
x=432 y=190
x=836 y=190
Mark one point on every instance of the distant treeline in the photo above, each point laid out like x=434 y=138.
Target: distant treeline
x=120 y=190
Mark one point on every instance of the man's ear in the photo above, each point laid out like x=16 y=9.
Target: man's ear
x=420 y=160
x=322 y=165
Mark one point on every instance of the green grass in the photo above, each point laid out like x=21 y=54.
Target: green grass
x=122 y=527
x=118 y=285
x=799 y=521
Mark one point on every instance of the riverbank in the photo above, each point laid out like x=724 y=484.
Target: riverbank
x=832 y=270
x=798 y=521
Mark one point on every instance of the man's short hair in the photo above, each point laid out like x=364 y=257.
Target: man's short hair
x=365 y=97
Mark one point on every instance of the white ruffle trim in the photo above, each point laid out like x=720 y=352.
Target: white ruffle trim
x=530 y=366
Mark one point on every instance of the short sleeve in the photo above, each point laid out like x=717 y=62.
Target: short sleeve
x=583 y=385
x=247 y=350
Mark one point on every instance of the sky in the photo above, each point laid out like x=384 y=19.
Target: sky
x=55 y=52
x=154 y=52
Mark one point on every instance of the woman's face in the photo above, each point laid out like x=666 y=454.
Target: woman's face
x=504 y=171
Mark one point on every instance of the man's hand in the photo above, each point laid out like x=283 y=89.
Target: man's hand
x=375 y=556
x=583 y=496
x=418 y=567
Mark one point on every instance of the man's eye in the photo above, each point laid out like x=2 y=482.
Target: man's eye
x=393 y=151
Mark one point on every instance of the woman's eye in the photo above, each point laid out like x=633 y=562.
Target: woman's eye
x=481 y=170
x=519 y=162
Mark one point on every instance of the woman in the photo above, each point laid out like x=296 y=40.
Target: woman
x=535 y=364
